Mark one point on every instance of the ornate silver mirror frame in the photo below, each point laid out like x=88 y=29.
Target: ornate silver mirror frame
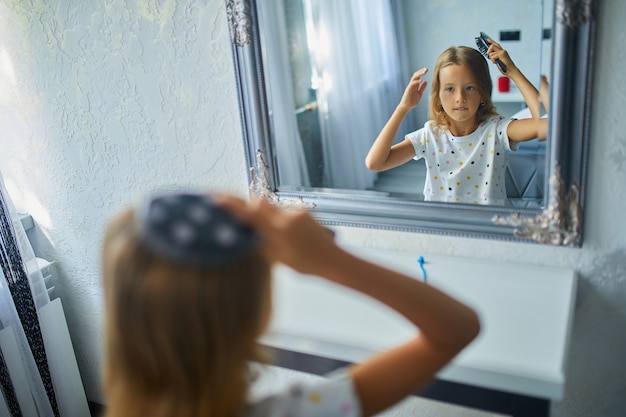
x=560 y=223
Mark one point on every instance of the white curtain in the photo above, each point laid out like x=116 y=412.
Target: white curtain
x=292 y=167
x=25 y=378
x=359 y=63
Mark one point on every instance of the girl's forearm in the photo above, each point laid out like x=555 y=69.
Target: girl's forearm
x=379 y=152
x=528 y=91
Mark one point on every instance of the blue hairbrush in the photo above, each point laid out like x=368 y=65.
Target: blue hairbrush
x=483 y=46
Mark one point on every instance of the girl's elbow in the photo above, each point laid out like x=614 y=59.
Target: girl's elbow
x=470 y=329
x=473 y=326
x=466 y=328
x=542 y=131
x=372 y=165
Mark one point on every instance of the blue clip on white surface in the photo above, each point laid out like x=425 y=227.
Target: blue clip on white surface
x=421 y=261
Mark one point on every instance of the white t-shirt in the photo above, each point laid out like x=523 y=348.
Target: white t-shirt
x=465 y=169
x=329 y=398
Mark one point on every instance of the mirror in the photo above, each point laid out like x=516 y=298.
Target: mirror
x=301 y=146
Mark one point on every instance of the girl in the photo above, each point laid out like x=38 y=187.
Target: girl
x=188 y=292
x=465 y=142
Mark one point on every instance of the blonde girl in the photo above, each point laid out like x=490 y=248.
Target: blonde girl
x=187 y=283
x=465 y=142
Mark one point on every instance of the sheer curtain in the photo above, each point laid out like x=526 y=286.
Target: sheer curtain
x=25 y=378
x=359 y=63
x=292 y=168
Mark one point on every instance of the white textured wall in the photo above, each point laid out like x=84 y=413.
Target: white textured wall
x=102 y=102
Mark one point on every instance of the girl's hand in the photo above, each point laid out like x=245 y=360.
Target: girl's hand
x=414 y=90
x=291 y=237
x=496 y=52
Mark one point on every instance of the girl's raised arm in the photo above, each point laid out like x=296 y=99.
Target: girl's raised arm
x=382 y=154
x=526 y=88
x=445 y=325
x=523 y=129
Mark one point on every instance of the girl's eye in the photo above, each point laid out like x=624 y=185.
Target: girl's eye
x=449 y=89
x=471 y=88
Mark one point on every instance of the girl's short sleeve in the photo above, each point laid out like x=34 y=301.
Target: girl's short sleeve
x=502 y=124
x=420 y=138
x=331 y=397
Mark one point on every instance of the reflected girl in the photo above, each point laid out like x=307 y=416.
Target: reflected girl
x=466 y=141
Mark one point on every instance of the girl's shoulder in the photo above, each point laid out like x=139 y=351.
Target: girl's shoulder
x=494 y=122
x=436 y=129
x=496 y=118
x=429 y=130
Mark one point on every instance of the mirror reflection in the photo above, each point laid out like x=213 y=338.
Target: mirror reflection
x=336 y=71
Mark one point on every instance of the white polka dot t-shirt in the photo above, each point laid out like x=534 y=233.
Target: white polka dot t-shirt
x=465 y=169
x=330 y=398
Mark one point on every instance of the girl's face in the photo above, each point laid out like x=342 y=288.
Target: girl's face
x=459 y=96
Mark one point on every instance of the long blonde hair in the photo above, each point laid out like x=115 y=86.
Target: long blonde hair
x=179 y=338
x=476 y=63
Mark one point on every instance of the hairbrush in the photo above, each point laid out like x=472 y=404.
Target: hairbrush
x=483 y=46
